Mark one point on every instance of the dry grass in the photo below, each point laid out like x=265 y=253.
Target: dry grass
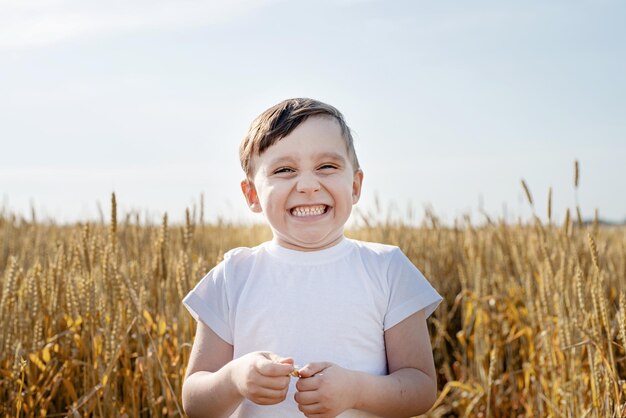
x=91 y=321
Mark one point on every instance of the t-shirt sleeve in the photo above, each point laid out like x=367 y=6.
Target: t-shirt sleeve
x=409 y=291
x=208 y=302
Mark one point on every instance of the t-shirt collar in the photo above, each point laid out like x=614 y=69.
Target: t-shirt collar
x=326 y=255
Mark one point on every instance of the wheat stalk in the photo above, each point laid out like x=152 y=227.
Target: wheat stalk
x=527 y=192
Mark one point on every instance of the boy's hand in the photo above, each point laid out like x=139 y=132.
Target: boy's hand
x=263 y=377
x=326 y=390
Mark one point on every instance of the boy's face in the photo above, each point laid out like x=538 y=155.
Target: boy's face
x=305 y=185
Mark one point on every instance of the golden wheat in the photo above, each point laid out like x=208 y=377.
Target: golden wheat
x=533 y=323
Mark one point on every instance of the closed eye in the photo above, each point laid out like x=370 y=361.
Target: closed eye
x=327 y=167
x=283 y=170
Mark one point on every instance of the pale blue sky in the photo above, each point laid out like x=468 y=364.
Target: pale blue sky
x=451 y=103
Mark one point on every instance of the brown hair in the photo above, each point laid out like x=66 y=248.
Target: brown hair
x=280 y=120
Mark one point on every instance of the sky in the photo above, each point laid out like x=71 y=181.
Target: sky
x=451 y=104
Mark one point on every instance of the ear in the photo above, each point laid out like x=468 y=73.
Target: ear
x=357 y=182
x=249 y=192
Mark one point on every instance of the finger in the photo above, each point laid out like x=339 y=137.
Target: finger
x=269 y=368
x=314 y=368
x=311 y=410
x=264 y=396
x=277 y=359
x=285 y=360
x=267 y=401
x=306 y=398
x=307 y=384
x=277 y=382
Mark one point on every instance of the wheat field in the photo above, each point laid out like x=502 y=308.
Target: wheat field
x=533 y=322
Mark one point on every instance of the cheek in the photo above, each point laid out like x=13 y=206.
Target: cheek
x=344 y=191
x=272 y=199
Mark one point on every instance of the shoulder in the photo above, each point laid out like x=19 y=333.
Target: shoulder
x=240 y=254
x=231 y=272
x=241 y=258
x=374 y=247
x=376 y=250
x=377 y=257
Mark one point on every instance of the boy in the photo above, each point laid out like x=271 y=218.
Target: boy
x=354 y=313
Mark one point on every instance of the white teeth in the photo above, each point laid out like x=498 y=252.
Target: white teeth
x=308 y=210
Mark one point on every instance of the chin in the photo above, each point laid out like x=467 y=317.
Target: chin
x=318 y=242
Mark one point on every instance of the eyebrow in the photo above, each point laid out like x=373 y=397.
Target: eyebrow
x=281 y=160
x=321 y=156
x=332 y=156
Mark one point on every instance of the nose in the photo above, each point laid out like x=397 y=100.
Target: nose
x=307 y=183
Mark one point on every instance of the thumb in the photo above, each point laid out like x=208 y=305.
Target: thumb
x=312 y=369
x=273 y=365
x=286 y=360
x=278 y=359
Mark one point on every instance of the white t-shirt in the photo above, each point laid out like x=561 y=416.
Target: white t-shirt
x=329 y=305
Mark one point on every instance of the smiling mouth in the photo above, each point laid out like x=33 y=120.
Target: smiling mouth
x=315 y=210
